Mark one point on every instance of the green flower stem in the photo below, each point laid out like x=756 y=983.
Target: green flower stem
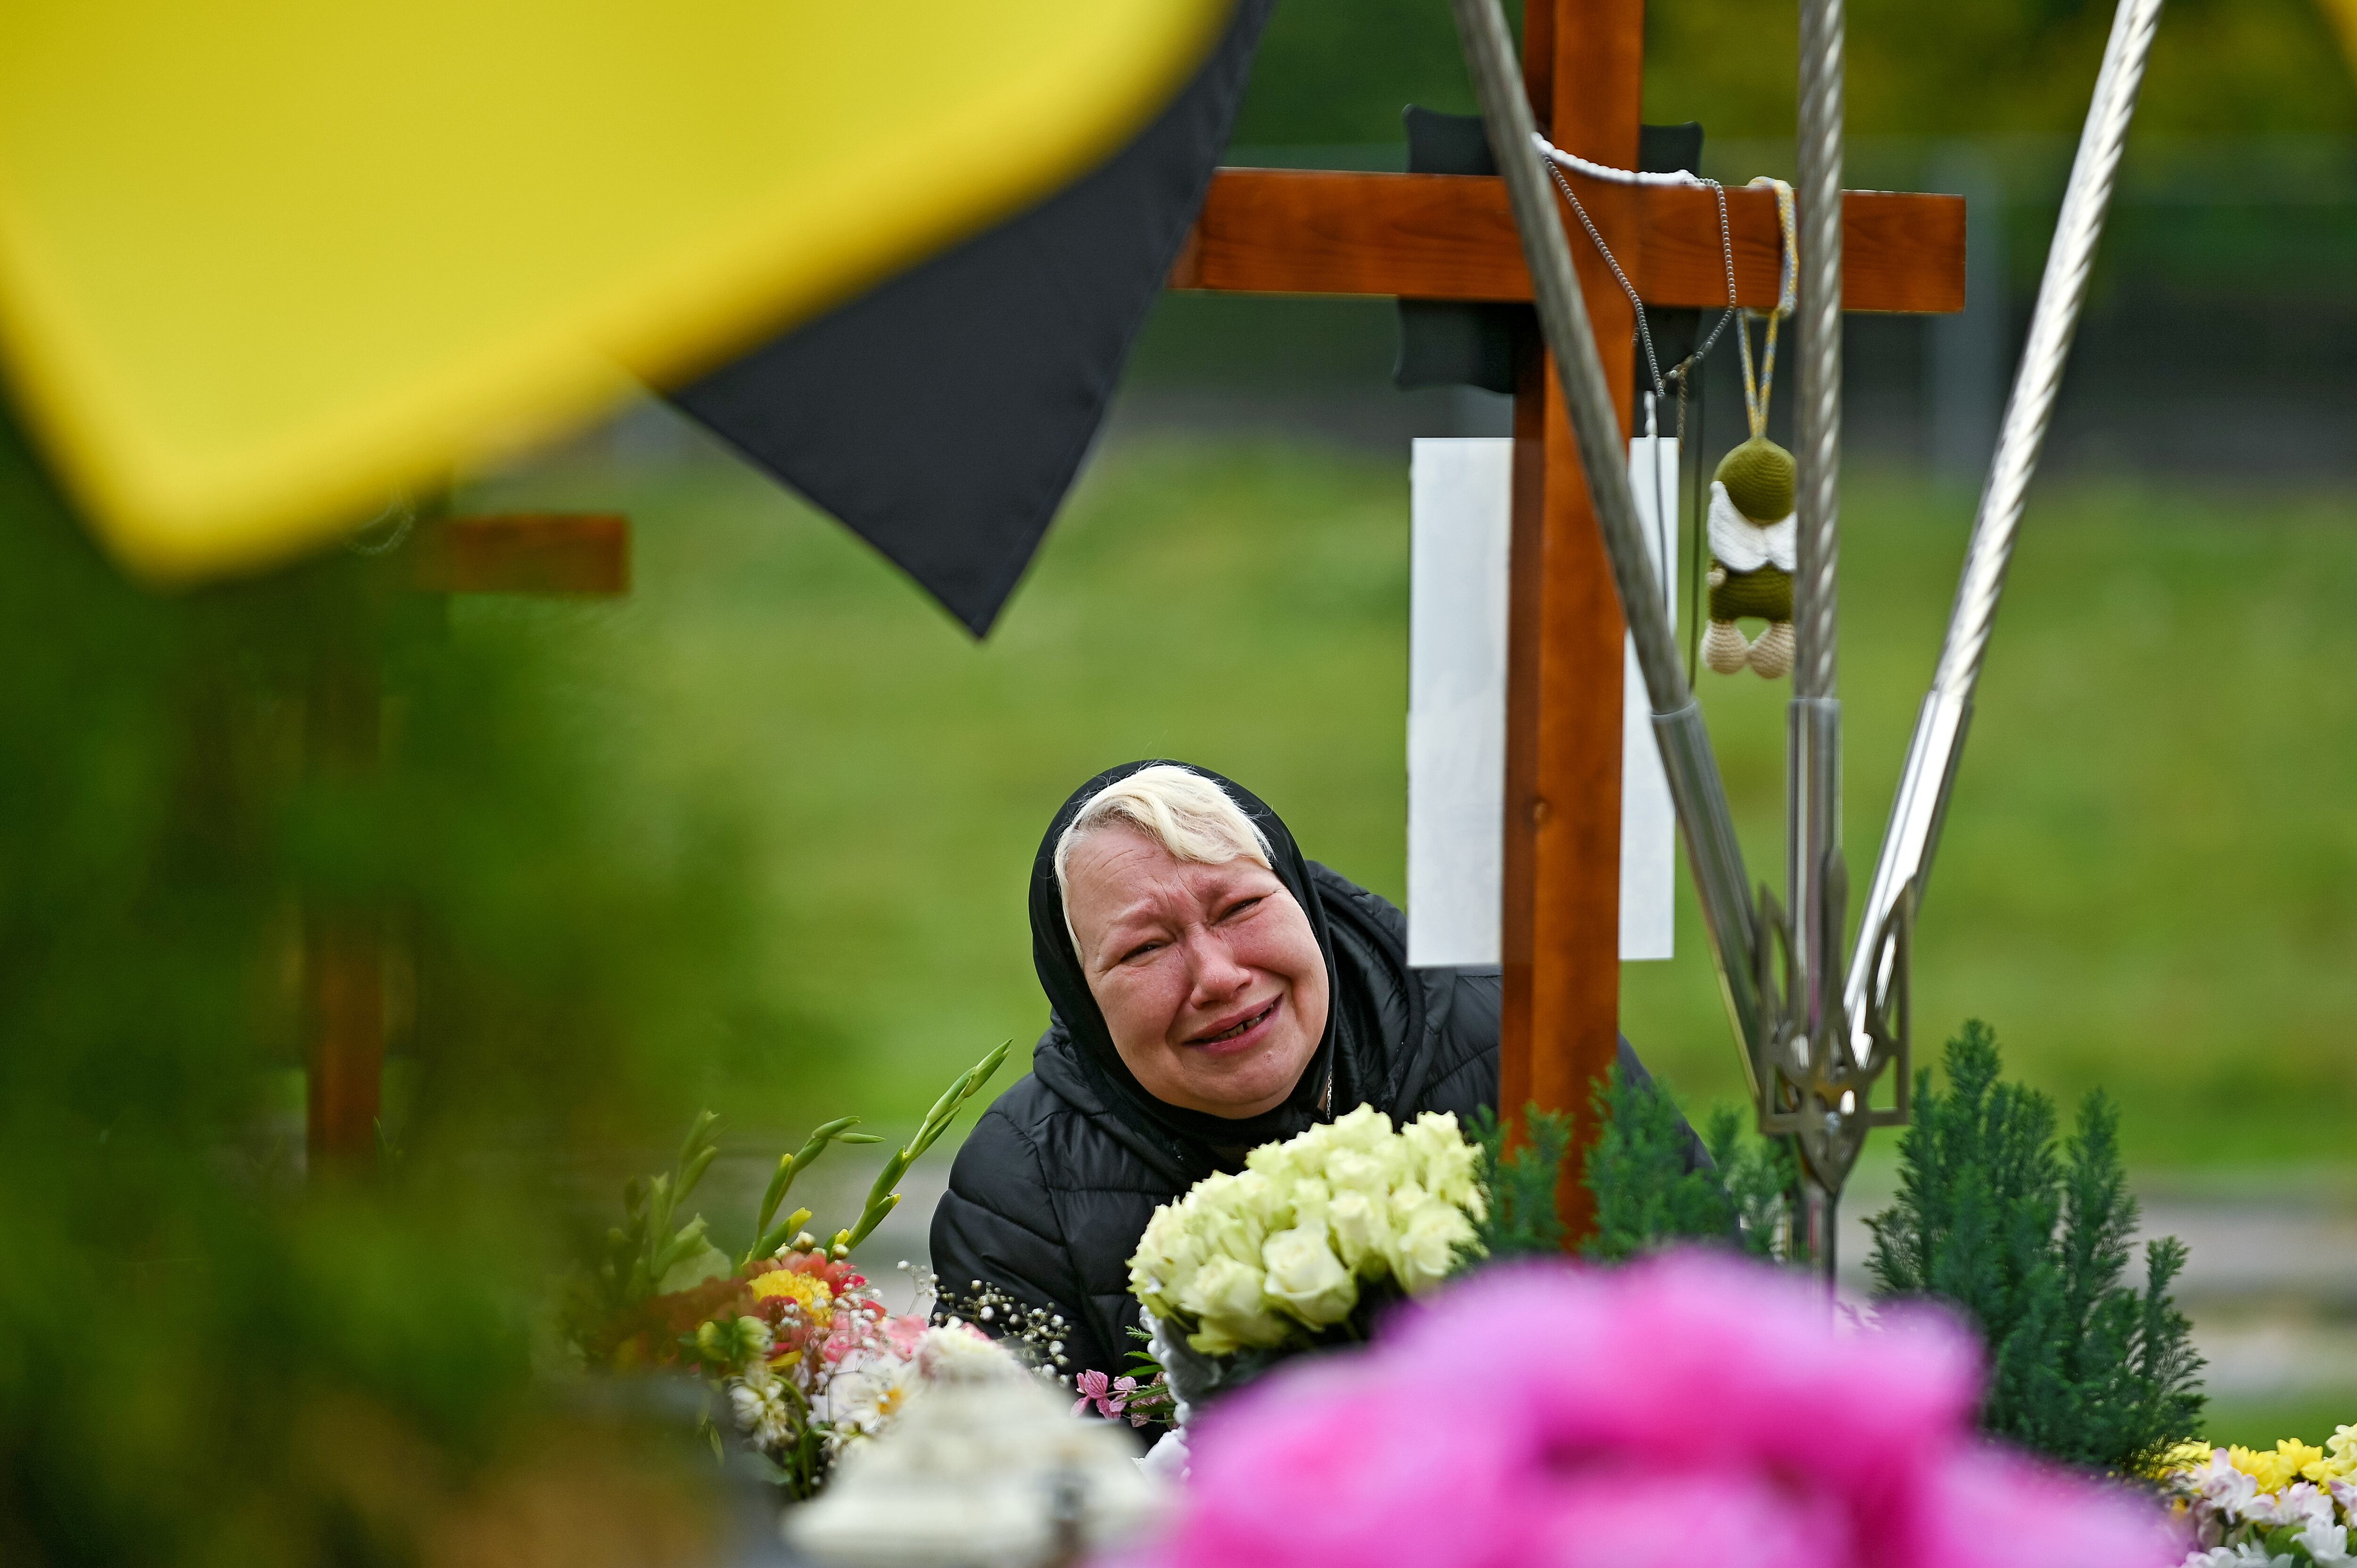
x=767 y=1239
x=881 y=1197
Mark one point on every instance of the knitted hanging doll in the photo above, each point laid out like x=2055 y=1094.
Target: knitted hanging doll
x=1752 y=543
x=1752 y=533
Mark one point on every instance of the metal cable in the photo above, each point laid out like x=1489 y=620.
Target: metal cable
x=1645 y=333
x=1812 y=733
x=1920 y=801
x=1817 y=424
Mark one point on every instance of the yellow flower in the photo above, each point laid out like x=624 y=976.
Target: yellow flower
x=2277 y=1470
x=2263 y=1467
x=2330 y=1467
x=2296 y=1457
x=2343 y=1441
x=816 y=1302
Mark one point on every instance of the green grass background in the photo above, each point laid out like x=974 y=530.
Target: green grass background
x=2149 y=879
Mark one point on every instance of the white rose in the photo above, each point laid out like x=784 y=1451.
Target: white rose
x=1361 y=1223
x=1426 y=1245
x=1279 y=1162
x=1365 y=1130
x=1228 y=1230
x=1310 y=1201
x=1449 y=1163
x=1167 y=1257
x=1225 y=1297
x=1224 y=1287
x=1354 y=1170
x=1305 y=1277
x=1263 y=1202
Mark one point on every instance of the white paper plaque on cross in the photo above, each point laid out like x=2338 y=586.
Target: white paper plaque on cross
x=1461 y=504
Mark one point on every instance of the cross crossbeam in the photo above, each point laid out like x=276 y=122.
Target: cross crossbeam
x=1442 y=236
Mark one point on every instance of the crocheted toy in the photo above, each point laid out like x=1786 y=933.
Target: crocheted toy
x=1751 y=544
x=1752 y=535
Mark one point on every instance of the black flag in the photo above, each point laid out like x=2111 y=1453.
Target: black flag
x=943 y=415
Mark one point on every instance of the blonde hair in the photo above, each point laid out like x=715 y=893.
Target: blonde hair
x=1189 y=815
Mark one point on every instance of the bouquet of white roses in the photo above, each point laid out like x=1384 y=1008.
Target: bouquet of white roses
x=1295 y=1249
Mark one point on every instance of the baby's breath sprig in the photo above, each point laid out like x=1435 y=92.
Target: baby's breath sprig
x=1035 y=1333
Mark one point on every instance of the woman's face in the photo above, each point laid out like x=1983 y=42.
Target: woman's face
x=1209 y=978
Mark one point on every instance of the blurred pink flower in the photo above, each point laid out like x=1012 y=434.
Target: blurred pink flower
x=1607 y=1516
x=1340 y=1463
x=1686 y=1411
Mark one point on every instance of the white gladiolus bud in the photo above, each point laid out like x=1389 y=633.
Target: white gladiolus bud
x=1304 y=1276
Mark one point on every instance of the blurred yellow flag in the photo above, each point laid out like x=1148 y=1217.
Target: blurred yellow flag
x=262 y=261
x=2342 y=15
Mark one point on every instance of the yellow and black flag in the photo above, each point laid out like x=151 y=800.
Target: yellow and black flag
x=262 y=261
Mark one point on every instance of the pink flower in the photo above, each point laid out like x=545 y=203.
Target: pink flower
x=1692 y=1409
x=902 y=1334
x=1110 y=1396
x=1610 y=1517
x=1340 y=1463
x=1993 y=1508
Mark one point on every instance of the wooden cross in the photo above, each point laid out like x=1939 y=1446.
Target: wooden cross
x=345 y=948
x=1452 y=238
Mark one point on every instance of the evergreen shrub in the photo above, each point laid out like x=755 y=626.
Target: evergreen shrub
x=1651 y=1192
x=2031 y=1244
x=1522 y=1220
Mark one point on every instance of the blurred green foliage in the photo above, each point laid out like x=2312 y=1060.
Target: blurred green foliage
x=201 y=1362
x=1339 y=71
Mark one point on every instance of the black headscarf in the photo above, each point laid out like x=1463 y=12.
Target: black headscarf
x=1348 y=1053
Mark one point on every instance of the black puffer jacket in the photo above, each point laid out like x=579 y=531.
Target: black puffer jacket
x=1053 y=1187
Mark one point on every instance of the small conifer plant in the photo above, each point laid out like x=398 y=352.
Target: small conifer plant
x=2032 y=1243
x=1521 y=1220
x=1652 y=1192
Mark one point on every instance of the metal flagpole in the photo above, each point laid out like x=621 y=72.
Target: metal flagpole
x=1920 y=801
x=1695 y=783
x=1812 y=738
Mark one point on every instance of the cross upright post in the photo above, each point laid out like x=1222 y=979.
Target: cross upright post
x=345 y=943
x=1560 y=937
x=1453 y=237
